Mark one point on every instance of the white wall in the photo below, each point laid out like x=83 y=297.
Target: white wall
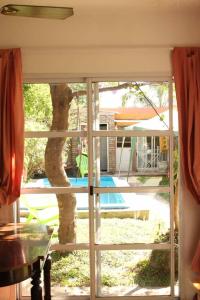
x=118 y=42
x=123 y=159
x=126 y=44
x=105 y=61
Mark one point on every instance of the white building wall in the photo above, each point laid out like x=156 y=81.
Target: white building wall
x=124 y=155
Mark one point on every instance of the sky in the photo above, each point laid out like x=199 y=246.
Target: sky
x=114 y=98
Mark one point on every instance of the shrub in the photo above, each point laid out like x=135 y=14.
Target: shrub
x=152 y=275
x=142 y=179
x=155 y=271
x=108 y=280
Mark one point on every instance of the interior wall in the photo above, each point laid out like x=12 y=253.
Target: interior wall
x=118 y=41
x=103 y=61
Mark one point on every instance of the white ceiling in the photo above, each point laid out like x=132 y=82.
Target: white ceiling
x=102 y=23
x=108 y=6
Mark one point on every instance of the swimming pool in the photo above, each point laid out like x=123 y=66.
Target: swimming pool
x=107 y=201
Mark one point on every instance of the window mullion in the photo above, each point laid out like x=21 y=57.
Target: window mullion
x=54 y=190
x=97 y=196
x=130 y=133
x=136 y=189
x=91 y=196
x=54 y=134
x=171 y=187
x=133 y=246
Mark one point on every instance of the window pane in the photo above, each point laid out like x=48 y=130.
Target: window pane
x=143 y=161
x=39 y=109
x=132 y=218
x=132 y=105
x=69 y=275
x=43 y=208
x=134 y=272
x=70 y=158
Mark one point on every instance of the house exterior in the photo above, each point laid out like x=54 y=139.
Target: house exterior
x=117 y=154
x=107 y=145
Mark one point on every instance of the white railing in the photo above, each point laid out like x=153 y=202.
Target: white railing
x=151 y=160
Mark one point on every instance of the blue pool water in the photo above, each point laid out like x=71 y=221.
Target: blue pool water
x=105 y=181
x=107 y=201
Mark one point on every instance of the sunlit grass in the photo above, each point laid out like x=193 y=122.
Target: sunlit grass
x=118 y=267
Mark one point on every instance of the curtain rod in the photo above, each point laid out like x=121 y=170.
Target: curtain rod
x=106 y=47
x=87 y=47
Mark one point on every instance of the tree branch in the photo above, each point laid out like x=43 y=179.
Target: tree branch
x=124 y=86
x=151 y=103
x=105 y=89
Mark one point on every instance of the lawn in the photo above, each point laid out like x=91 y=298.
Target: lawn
x=118 y=268
x=119 y=231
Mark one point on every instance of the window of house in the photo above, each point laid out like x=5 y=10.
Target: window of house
x=113 y=211
x=126 y=142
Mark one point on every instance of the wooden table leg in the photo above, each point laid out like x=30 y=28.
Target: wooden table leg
x=36 y=290
x=47 y=278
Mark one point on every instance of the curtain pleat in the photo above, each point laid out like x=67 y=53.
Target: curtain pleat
x=11 y=125
x=186 y=71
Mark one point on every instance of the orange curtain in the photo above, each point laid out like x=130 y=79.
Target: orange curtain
x=186 y=71
x=11 y=125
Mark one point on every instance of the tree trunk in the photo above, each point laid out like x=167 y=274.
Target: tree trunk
x=61 y=96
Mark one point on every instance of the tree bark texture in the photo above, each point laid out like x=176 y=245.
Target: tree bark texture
x=61 y=96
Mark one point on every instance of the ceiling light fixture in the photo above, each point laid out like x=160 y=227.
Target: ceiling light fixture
x=33 y=11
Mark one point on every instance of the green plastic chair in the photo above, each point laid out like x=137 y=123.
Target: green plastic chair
x=82 y=164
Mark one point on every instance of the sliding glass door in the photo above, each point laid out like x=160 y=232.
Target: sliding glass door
x=101 y=164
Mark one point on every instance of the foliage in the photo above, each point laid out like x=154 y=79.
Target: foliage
x=142 y=179
x=37 y=105
x=139 y=92
x=165 y=180
x=108 y=280
x=34 y=157
x=152 y=276
x=162 y=93
x=175 y=166
x=133 y=93
x=38 y=117
x=78 y=106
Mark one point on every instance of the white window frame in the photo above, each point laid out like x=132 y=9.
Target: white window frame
x=91 y=134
